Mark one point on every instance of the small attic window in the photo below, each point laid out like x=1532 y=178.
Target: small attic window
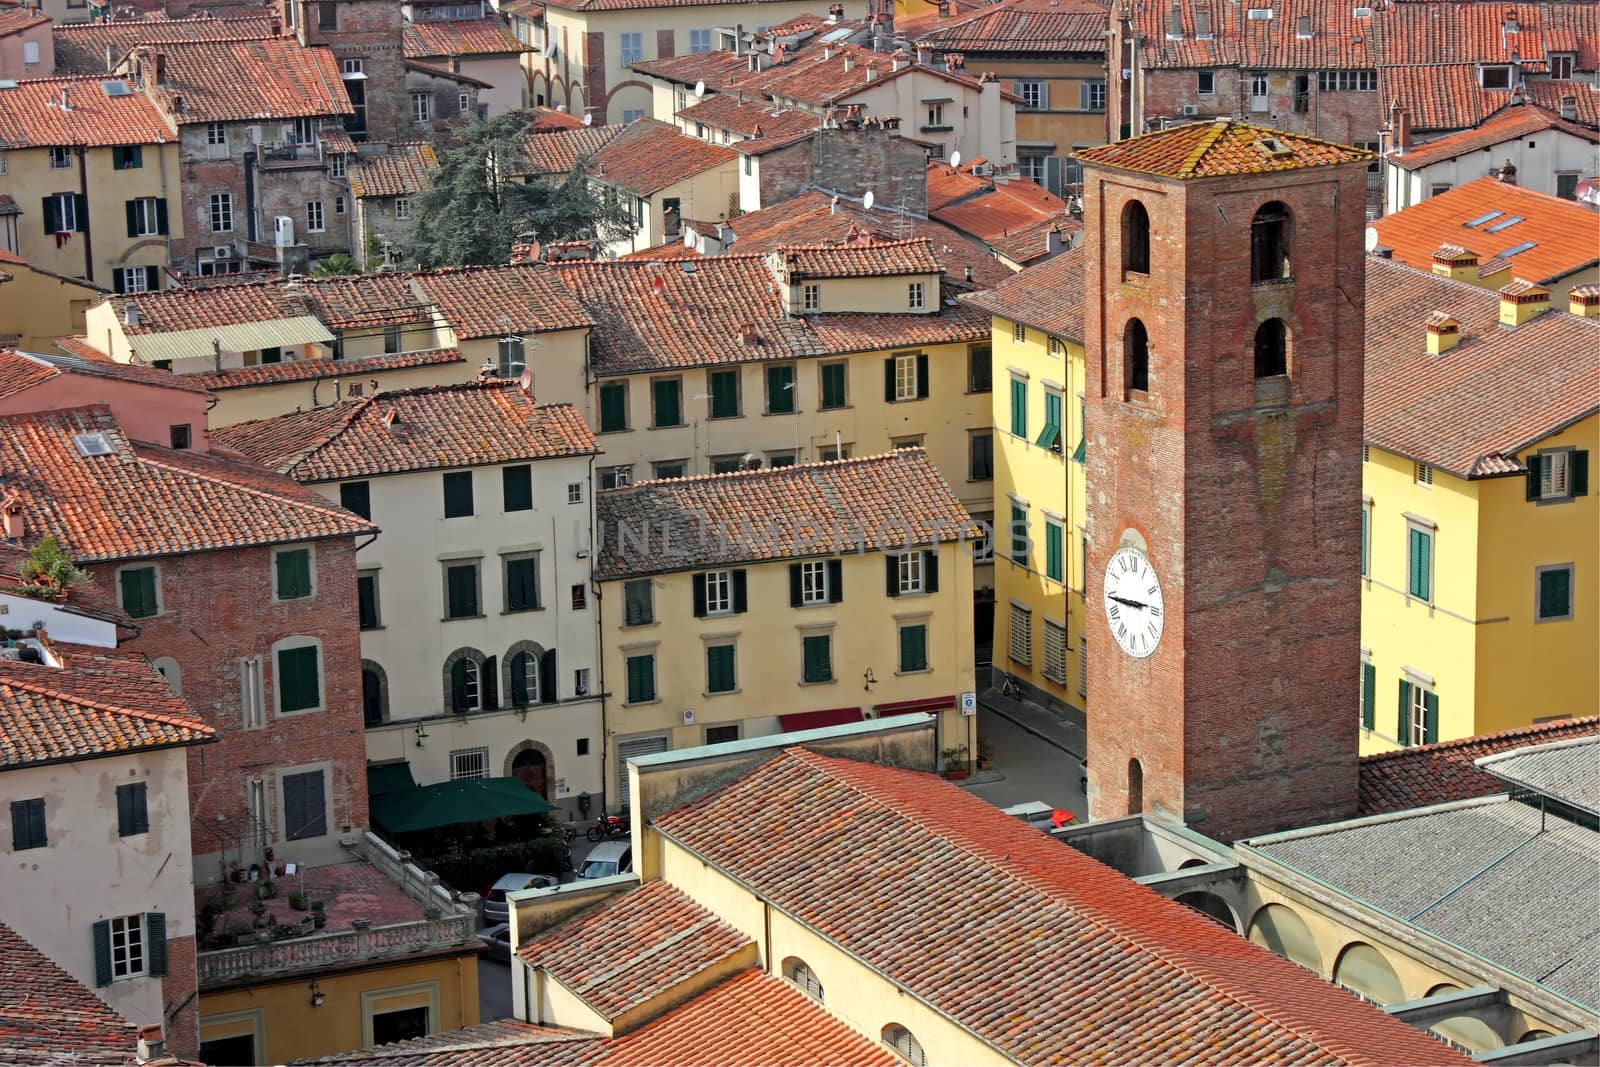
x=1494 y=77
x=1273 y=148
x=93 y=444
x=1504 y=224
x=1260 y=14
x=1481 y=219
x=115 y=88
x=1362 y=13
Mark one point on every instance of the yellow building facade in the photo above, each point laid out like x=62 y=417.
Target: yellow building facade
x=37 y=306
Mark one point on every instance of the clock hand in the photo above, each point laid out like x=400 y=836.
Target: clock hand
x=1125 y=602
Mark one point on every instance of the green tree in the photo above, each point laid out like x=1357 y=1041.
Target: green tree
x=335 y=265
x=477 y=203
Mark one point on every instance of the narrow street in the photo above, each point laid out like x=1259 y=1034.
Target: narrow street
x=1033 y=768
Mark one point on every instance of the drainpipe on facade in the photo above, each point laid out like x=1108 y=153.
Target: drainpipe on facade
x=83 y=190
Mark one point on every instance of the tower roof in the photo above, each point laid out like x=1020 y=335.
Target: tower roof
x=1214 y=149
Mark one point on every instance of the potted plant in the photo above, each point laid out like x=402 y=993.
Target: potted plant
x=955 y=762
x=297 y=901
x=319 y=917
x=985 y=753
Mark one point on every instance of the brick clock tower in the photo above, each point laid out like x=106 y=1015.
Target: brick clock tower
x=1223 y=327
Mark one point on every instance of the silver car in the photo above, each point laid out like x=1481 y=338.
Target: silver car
x=495 y=907
x=497 y=941
x=607 y=859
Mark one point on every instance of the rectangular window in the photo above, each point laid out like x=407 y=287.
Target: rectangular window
x=1019 y=333
x=63 y=211
x=915 y=296
x=907 y=379
x=913 y=648
x=221 y=212
x=337 y=170
x=147 y=216
x=421 y=108
x=935 y=117
x=314 y=219
x=522 y=583
x=458 y=495
x=136 y=279
x=617 y=476
x=720 y=677
x=1419 y=714
x=724 y=385
x=133 y=811
x=1562 y=65
x=719 y=592
x=1366 y=542
x=299 y=679
x=463 y=103
x=817 y=656
x=305 y=806
x=671 y=468
x=138 y=586
x=613 y=407
x=632 y=48
x=291 y=573
x=60 y=157
x=511 y=354
x=216 y=134
x=811 y=296
x=178 y=436
x=127 y=946
x=1419 y=562
x=402 y=209
x=391 y=340
x=833 y=385
x=327 y=15
x=1092 y=96
x=1054 y=551
x=980 y=459
x=719 y=735
x=909 y=570
x=1558 y=475
x=469 y=763
x=980 y=368
x=638 y=602
x=1205 y=82
x=1567 y=185
x=356 y=497
x=1423 y=473
x=1369 y=687
x=461 y=591
x=1050 y=436
x=574 y=492
x=1019 y=407
x=814 y=582
x=667 y=396
x=367 y=600
x=641 y=678
x=1019 y=534
x=699 y=42
x=1055 y=652
x=1019 y=640
x=27 y=825
x=1553 y=599
x=982 y=538
x=780 y=390
x=1035 y=95
x=516 y=488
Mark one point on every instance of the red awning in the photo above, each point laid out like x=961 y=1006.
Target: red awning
x=816 y=720
x=908 y=707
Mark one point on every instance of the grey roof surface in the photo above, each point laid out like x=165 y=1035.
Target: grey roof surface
x=1494 y=876
x=1568 y=771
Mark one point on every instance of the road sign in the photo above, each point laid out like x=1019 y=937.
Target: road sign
x=968 y=703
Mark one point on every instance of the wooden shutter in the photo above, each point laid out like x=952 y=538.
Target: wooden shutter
x=930 y=570
x=161 y=216
x=1578 y=473
x=297 y=679
x=1404 y=733
x=700 y=596
x=152 y=277
x=1535 y=471
x=458 y=686
x=102 y=952
x=922 y=375
x=155 y=948
x=891 y=574
x=835 y=581
x=547 y=677
x=1369 y=692
x=888 y=380
x=133 y=813
x=81 y=203
x=52 y=215
x=741 y=593
x=21 y=825
x=517 y=668
x=131 y=207
x=794 y=585
x=489 y=683
x=304 y=806
x=1430 y=718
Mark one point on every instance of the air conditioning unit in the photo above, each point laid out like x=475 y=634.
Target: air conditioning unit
x=255 y=135
x=283 y=230
x=221 y=251
x=1191 y=109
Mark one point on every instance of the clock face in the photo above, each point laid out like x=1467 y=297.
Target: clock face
x=1134 y=608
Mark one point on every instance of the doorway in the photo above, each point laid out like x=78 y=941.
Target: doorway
x=531 y=767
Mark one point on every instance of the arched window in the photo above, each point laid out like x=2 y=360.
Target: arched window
x=798 y=972
x=466 y=692
x=905 y=1044
x=1135 y=787
x=1278 y=929
x=1272 y=349
x=1269 y=243
x=469 y=684
x=374 y=694
x=1365 y=971
x=169 y=670
x=1135 y=238
x=1135 y=357
x=528 y=674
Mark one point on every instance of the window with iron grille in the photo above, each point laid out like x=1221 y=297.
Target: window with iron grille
x=1019 y=641
x=1055 y=652
x=469 y=763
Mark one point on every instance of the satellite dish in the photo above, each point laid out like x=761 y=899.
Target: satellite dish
x=868 y=200
x=588 y=118
x=699 y=89
x=688 y=238
x=1372 y=238
x=955 y=159
x=526 y=380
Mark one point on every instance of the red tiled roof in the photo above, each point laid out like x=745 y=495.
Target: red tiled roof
x=625 y=952
x=1014 y=26
x=558 y=151
x=15 y=19
x=247 y=80
x=916 y=26
x=871 y=503
x=1029 y=243
x=492 y=301
x=632 y=5
x=1441 y=96
x=502 y=1043
x=78 y=345
x=767 y=127
x=305 y=370
x=48 y=1016
x=201 y=306
x=864 y=258
x=1040 y=951
x=1338 y=40
x=811 y=77
x=22 y=370
x=363 y=301
x=1562 y=232
x=1495 y=393
x=986 y=208
x=99 y=702
x=1586 y=99
x=473 y=37
x=648 y=156
x=1510 y=124
x=546 y=119
x=1448 y=31
x=395 y=431
x=1213 y=149
x=1048 y=296
x=717 y=68
x=402 y=171
x=1436 y=774
x=31 y=115
x=434 y=70
x=141 y=501
x=97 y=47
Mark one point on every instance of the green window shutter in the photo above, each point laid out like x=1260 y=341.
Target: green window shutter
x=1404 y=732
x=132 y=209
x=516 y=488
x=299 y=687
x=780 y=397
x=922 y=376
x=833 y=385
x=155 y=948
x=1078 y=453
x=818 y=658
x=102 y=952
x=462 y=591
x=795 y=589
x=522 y=584
x=52 y=215
x=1430 y=718
x=1369 y=692
x=133 y=811
x=139 y=591
x=724 y=394
x=1366 y=541
x=1421 y=553
x=458 y=495
x=668 y=411
x=1555 y=593
x=152 y=278
x=81 y=203
x=891 y=575
x=699 y=593
x=458 y=686
x=161 y=218
x=1019 y=534
x=888 y=380
x=741 y=592
x=835 y=581
x=641 y=679
x=1050 y=436
x=1053 y=565
x=521 y=697
x=913 y=648
x=1535 y=474
x=294 y=574
x=613 y=407
x=1578 y=473
x=719 y=669
x=1019 y=407
x=367 y=601
x=930 y=571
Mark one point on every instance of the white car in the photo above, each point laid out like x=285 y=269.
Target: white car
x=607 y=859
x=495 y=908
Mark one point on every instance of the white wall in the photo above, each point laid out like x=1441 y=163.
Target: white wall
x=1538 y=158
x=60 y=623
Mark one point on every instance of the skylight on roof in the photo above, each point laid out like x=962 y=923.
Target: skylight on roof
x=1504 y=224
x=1514 y=249
x=837 y=35
x=116 y=88
x=93 y=444
x=1481 y=219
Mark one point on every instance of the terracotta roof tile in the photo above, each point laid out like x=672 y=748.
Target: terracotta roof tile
x=558 y=151
x=1034 y=241
x=395 y=431
x=441 y=70
x=1214 y=149
x=1014 y=26
x=865 y=258
x=305 y=370
x=402 y=171
x=1510 y=124
x=502 y=1043
x=19 y=370
x=986 y=208
x=717 y=68
x=648 y=156
x=97 y=47
x=1436 y=774
x=16 y=18
x=767 y=127
x=140 y=501
x=1338 y=39
x=200 y=306
x=1562 y=232
x=362 y=301
x=811 y=509
x=99 y=702
x=48 y=1016
x=1441 y=31
x=629 y=5
x=1048 y=296
x=546 y=119
x=1585 y=98
x=1037 y=949
x=1495 y=393
x=1441 y=96
x=31 y=115
x=627 y=951
x=474 y=37
x=492 y=301
x=248 y=80
x=811 y=77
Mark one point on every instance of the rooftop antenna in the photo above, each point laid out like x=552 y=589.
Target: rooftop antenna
x=699 y=89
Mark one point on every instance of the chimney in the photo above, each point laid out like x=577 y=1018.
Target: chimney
x=151 y=1045
x=390 y=417
x=1455 y=262
x=833 y=206
x=11 y=516
x=872 y=71
x=966 y=272
x=657 y=286
x=66 y=105
x=1400 y=123
x=1569 y=108
x=955 y=61
x=747 y=333
x=1507 y=173
x=1522 y=301
x=1444 y=333
x=161 y=68
x=1584 y=300
x=130 y=314
x=849 y=62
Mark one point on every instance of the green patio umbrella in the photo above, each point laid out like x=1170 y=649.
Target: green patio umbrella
x=468 y=800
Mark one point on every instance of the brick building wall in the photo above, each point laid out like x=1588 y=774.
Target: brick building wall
x=851 y=162
x=203 y=177
x=217 y=610
x=1245 y=495
x=369 y=30
x=181 y=1002
x=1348 y=117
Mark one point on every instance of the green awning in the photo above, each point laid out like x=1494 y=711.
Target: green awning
x=389 y=778
x=451 y=803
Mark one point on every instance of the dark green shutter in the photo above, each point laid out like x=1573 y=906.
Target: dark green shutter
x=118 y=284
x=719 y=669
x=463 y=591
x=522 y=580
x=666 y=400
x=741 y=593
x=132 y=208
x=161 y=216
x=794 y=585
x=699 y=596
x=547 y=677
x=930 y=570
x=155 y=949
x=516 y=488
x=102 y=952
x=888 y=380
x=613 y=407
x=298 y=685
x=835 y=581
x=1019 y=407
x=1369 y=692
x=152 y=278
x=458 y=494
x=1430 y=718
x=724 y=394
x=52 y=215
x=133 y=814
x=1404 y=733
x=294 y=574
x=139 y=591
x=81 y=203
x=356 y=497
x=913 y=648
x=489 y=683
x=780 y=397
x=833 y=385
x=891 y=574
x=922 y=376
x=458 y=686
x=367 y=602
x=1578 y=473
x=1535 y=472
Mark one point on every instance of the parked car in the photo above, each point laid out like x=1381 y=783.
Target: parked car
x=607 y=859
x=495 y=908
x=497 y=941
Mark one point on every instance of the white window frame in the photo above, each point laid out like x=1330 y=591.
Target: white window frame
x=67 y=210
x=60 y=157
x=134 y=280
x=1019 y=333
x=905 y=377
x=1417 y=714
x=719 y=592
x=574 y=492
x=811 y=296
x=813 y=582
x=1035 y=97
x=421 y=108
x=626 y=56
x=129 y=955
x=472 y=684
x=216 y=134
x=469 y=763
x=1555 y=474
x=912 y=575
x=463 y=103
x=916 y=296
x=145 y=214
x=337 y=165
x=222 y=212
x=316 y=217
x=402 y=208
x=936 y=114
